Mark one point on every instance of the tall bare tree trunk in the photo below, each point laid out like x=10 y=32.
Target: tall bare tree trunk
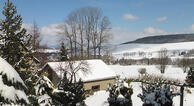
x=88 y=48
x=99 y=47
x=75 y=43
x=82 y=44
x=35 y=41
x=71 y=48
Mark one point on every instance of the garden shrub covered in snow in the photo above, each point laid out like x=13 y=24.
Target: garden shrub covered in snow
x=69 y=93
x=156 y=95
x=11 y=86
x=190 y=76
x=120 y=94
x=43 y=91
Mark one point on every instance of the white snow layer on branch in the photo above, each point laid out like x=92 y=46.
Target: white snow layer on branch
x=9 y=92
x=44 y=100
x=42 y=80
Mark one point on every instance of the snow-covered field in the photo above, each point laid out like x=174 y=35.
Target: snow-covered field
x=171 y=72
x=150 y=50
x=100 y=98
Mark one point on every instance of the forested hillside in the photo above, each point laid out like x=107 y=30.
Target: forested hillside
x=173 y=38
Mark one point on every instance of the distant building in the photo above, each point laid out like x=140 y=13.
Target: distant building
x=47 y=55
x=52 y=54
x=97 y=78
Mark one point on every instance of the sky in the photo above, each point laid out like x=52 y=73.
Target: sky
x=130 y=19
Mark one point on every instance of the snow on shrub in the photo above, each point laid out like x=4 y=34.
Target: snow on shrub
x=120 y=94
x=190 y=76
x=69 y=93
x=156 y=95
x=11 y=86
x=44 y=89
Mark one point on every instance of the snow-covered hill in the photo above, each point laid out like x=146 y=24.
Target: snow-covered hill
x=151 y=50
x=158 y=39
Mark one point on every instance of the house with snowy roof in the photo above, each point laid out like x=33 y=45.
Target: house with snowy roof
x=98 y=76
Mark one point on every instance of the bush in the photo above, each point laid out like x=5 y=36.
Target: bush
x=156 y=95
x=163 y=60
x=43 y=90
x=142 y=71
x=156 y=79
x=120 y=94
x=184 y=63
x=190 y=76
x=69 y=93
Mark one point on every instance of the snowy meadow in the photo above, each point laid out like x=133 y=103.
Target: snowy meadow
x=131 y=72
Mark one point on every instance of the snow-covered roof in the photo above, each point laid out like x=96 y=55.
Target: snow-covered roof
x=97 y=70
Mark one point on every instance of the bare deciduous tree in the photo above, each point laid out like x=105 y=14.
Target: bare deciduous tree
x=184 y=64
x=86 y=30
x=104 y=34
x=73 y=26
x=162 y=59
x=107 y=57
x=72 y=68
x=35 y=40
x=66 y=36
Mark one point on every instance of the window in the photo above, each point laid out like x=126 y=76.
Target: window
x=96 y=88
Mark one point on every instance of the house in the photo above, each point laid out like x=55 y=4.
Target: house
x=98 y=76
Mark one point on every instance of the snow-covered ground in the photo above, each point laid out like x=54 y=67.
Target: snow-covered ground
x=133 y=51
x=100 y=98
x=150 y=50
x=131 y=71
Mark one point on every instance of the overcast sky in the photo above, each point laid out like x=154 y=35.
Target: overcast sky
x=130 y=19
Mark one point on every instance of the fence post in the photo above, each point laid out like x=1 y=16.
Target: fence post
x=182 y=95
